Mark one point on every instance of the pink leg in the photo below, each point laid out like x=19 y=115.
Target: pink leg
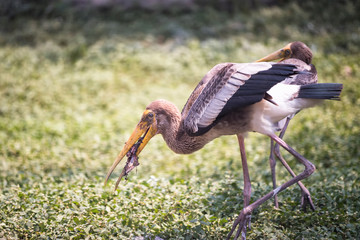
x=305 y=194
x=247 y=183
x=309 y=169
x=273 y=170
x=272 y=160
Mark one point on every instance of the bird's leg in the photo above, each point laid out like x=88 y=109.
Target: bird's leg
x=247 y=183
x=272 y=159
x=273 y=170
x=305 y=194
x=309 y=169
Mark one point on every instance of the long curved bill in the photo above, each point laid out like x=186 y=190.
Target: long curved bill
x=143 y=132
x=280 y=54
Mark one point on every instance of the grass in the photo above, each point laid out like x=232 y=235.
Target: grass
x=73 y=86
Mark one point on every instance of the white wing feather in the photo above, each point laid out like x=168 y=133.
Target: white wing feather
x=209 y=111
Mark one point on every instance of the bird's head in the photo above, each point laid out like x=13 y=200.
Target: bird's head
x=297 y=50
x=141 y=135
x=154 y=120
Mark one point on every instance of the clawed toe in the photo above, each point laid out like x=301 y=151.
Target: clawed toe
x=307 y=201
x=242 y=223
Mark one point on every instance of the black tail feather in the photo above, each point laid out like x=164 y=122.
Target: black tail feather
x=330 y=91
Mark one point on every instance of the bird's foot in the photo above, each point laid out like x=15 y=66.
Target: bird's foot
x=306 y=201
x=242 y=223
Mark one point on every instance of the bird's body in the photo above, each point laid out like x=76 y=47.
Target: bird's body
x=232 y=99
x=199 y=122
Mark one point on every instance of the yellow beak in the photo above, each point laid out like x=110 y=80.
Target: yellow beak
x=143 y=132
x=280 y=54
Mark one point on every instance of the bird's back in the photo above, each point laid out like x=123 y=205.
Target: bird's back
x=301 y=79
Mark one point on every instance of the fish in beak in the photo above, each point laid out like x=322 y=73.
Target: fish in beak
x=280 y=54
x=143 y=132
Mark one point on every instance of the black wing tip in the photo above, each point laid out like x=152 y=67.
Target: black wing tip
x=330 y=91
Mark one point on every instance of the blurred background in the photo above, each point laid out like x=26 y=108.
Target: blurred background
x=76 y=75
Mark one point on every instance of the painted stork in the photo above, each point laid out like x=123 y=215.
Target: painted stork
x=231 y=99
x=299 y=54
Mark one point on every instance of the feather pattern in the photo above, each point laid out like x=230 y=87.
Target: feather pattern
x=321 y=91
x=233 y=86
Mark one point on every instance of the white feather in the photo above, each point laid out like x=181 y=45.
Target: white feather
x=252 y=68
x=234 y=81
x=267 y=115
x=283 y=95
x=240 y=77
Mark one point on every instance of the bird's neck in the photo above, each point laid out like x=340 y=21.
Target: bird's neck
x=186 y=144
x=176 y=137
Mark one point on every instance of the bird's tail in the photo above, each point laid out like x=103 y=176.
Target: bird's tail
x=330 y=91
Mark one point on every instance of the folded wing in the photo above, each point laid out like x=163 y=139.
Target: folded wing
x=233 y=86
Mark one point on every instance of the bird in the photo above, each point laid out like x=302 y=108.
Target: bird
x=299 y=54
x=231 y=99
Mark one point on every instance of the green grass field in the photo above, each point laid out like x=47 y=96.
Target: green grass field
x=74 y=85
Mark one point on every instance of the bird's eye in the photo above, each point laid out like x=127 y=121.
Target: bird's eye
x=287 y=52
x=151 y=115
